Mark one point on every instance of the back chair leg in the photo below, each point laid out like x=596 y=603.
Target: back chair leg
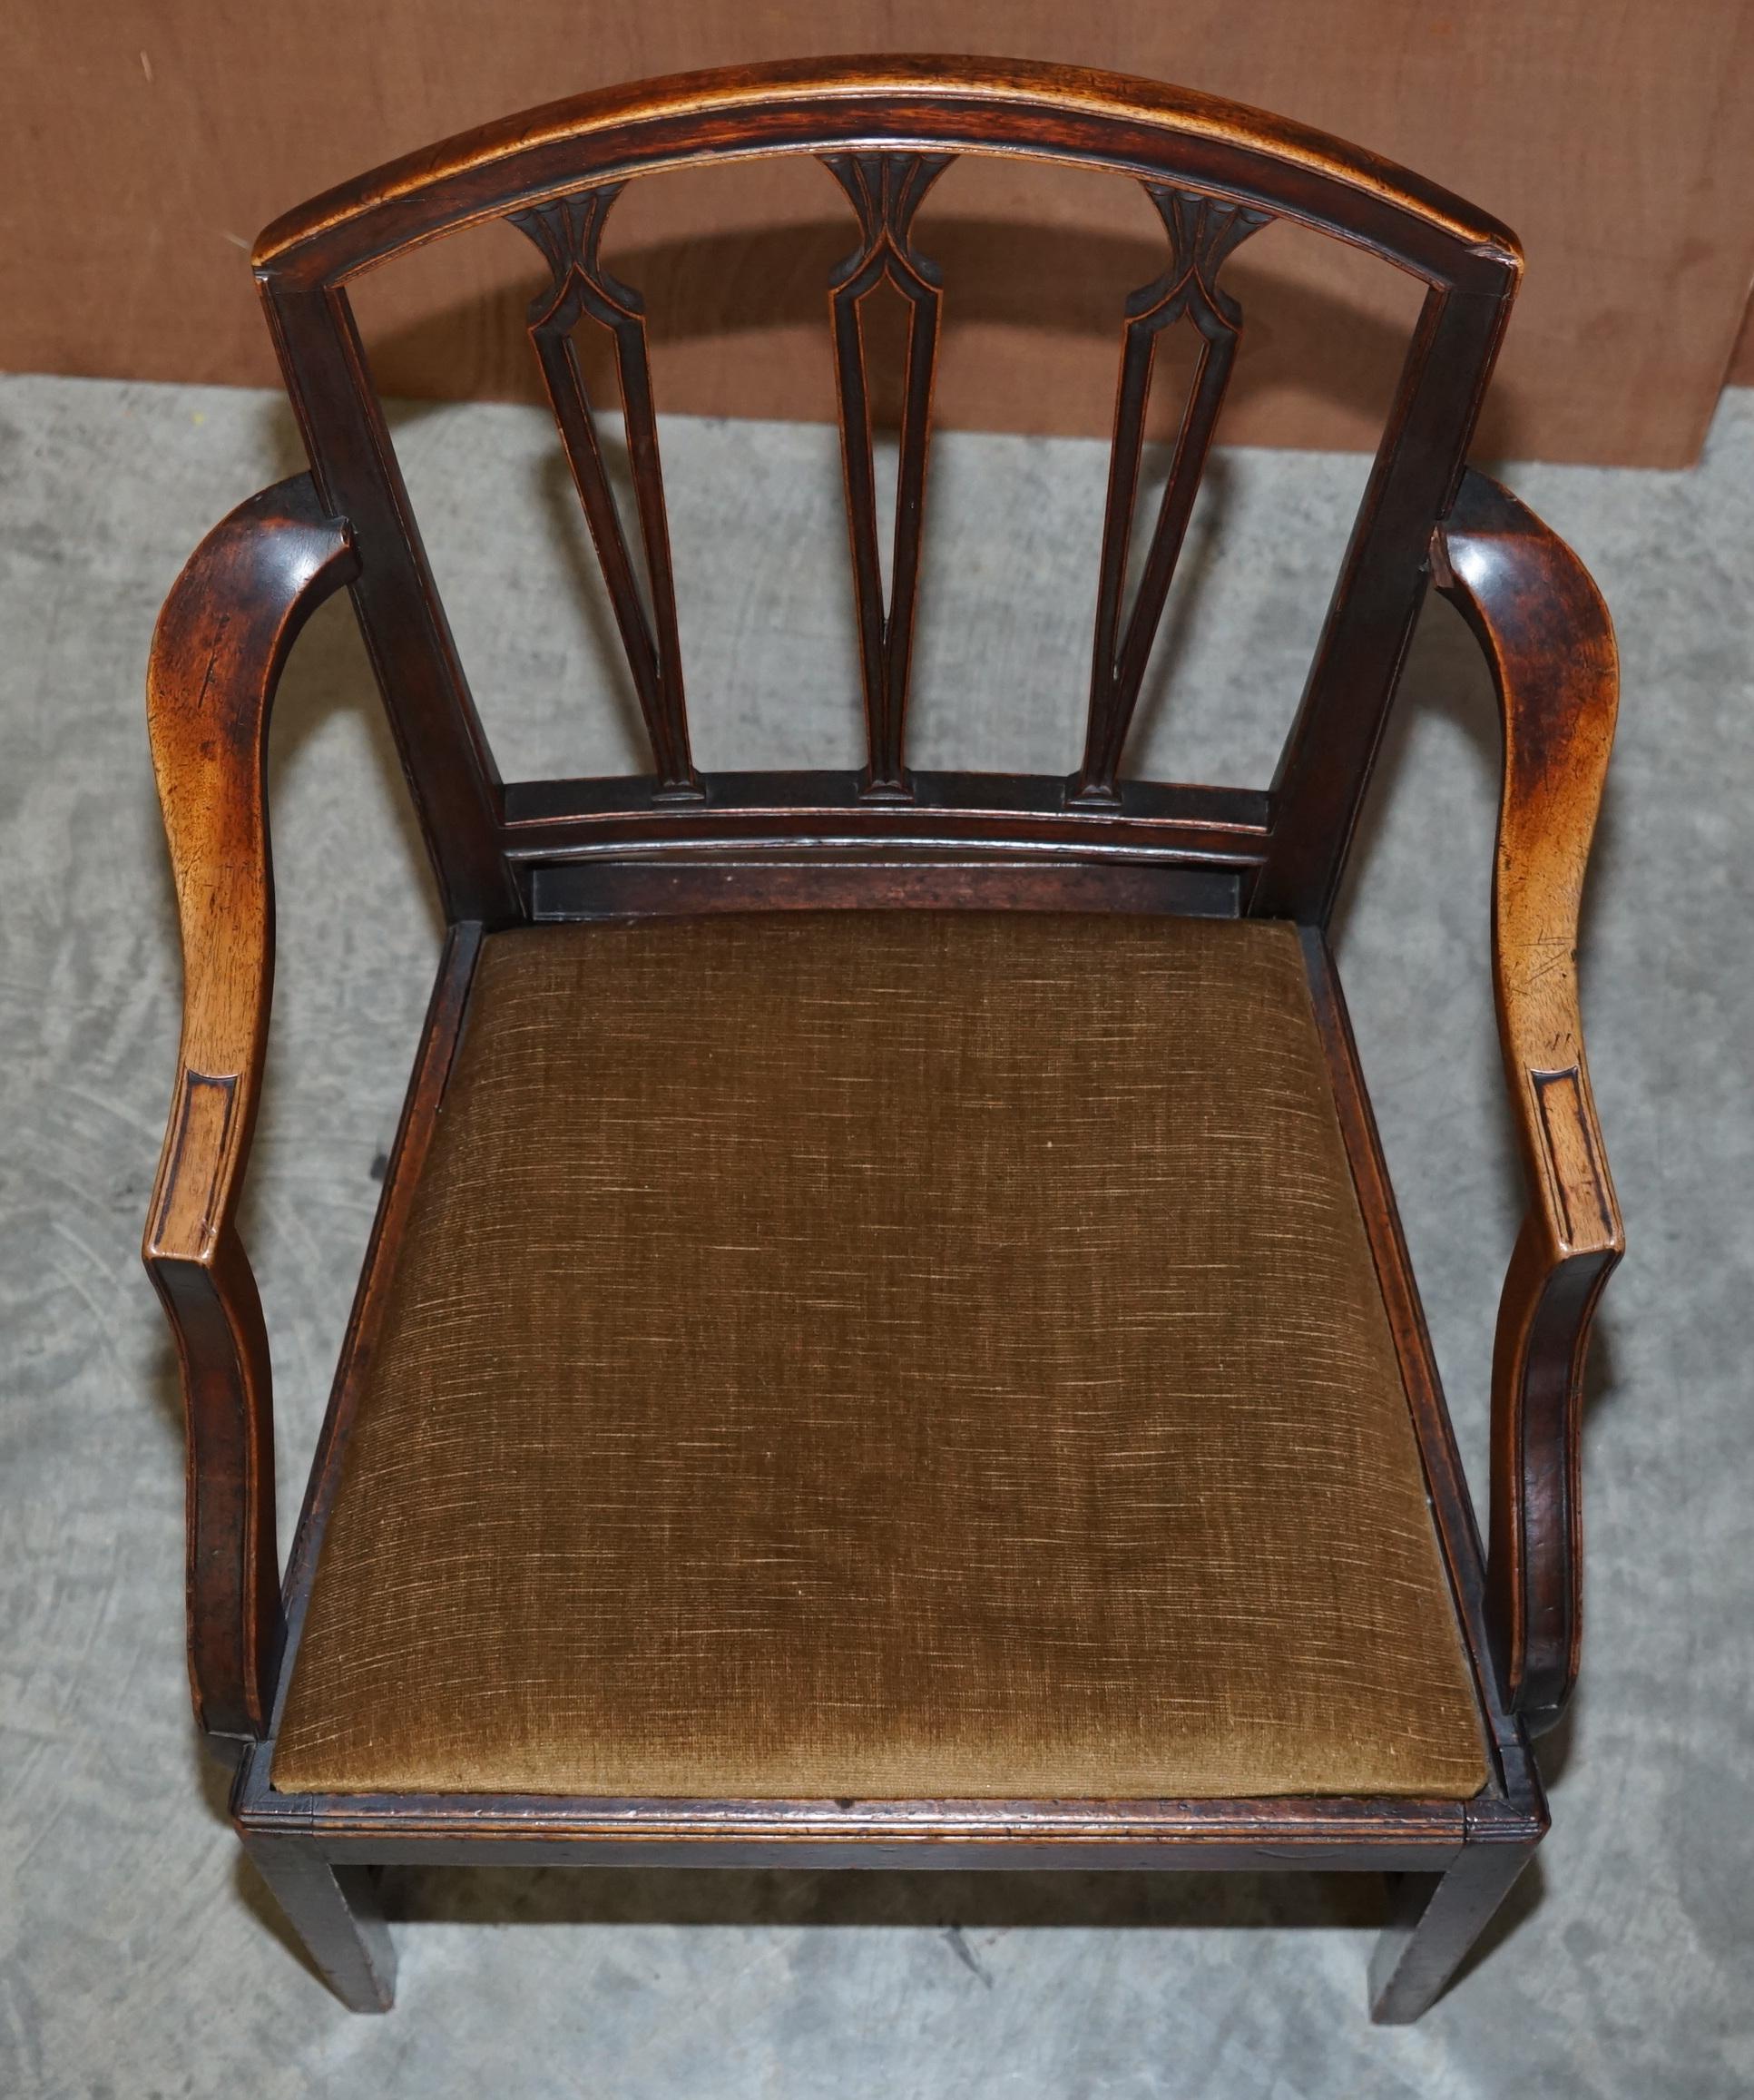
x=335 y=1913
x=1433 y=1920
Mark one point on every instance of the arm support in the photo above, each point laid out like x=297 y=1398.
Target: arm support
x=221 y=639
x=1551 y=645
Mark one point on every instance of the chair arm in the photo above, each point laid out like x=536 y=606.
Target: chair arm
x=1548 y=638
x=217 y=655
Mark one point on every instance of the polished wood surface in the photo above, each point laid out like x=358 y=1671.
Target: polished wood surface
x=1202 y=234
x=679 y=840
x=1430 y=1918
x=554 y=162
x=1064 y=113
x=221 y=639
x=1618 y=139
x=334 y=1909
x=886 y=190
x=1551 y=646
x=569 y=233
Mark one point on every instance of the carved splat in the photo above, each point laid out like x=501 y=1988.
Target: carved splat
x=1203 y=232
x=886 y=190
x=569 y=233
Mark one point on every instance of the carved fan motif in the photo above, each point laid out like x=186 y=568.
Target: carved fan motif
x=886 y=190
x=1203 y=232
x=569 y=233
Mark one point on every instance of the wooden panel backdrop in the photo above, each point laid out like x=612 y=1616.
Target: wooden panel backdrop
x=1741 y=366
x=143 y=145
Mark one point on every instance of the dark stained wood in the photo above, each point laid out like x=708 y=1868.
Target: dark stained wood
x=1203 y=232
x=1145 y=128
x=678 y=840
x=445 y=758
x=420 y=1110
x=1243 y=164
x=557 y=820
x=887 y=190
x=569 y=234
x=885 y=127
x=217 y=655
x=878 y=880
x=1330 y=1836
x=334 y=1909
x=1459 y=1536
x=1551 y=645
x=1327 y=761
x=1433 y=1920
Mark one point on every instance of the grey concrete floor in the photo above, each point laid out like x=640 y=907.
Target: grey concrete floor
x=137 y=1954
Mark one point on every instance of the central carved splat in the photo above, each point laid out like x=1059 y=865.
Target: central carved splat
x=886 y=190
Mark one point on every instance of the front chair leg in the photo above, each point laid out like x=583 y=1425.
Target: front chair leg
x=335 y=1913
x=1433 y=1920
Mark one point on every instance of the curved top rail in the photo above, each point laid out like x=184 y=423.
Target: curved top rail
x=974 y=105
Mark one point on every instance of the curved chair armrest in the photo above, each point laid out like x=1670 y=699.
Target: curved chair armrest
x=1551 y=645
x=217 y=655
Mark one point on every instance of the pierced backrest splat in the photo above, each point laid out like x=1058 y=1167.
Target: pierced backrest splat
x=569 y=233
x=1203 y=232
x=887 y=190
x=886 y=128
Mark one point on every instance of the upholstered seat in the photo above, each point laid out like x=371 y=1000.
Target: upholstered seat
x=872 y=1354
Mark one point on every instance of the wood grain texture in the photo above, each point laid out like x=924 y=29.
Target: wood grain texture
x=1259 y=1836
x=445 y=757
x=434 y=1056
x=1741 y=358
x=1457 y=1531
x=1550 y=647
x=1433 y=1920
x=1617 y=138
x=1082 y=115
x=334 y=1909
x=504 y=854
x=221 y=639
x=1328 y=757
x=1203 y=232
x=885 y=191
x=569 y=233
x=1214 y=172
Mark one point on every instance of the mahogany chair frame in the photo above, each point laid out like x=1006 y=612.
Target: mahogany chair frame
x=679 y=841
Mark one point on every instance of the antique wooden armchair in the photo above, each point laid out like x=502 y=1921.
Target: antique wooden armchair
x=887 y=1340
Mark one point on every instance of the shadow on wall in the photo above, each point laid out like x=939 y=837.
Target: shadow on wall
x=1061 y=295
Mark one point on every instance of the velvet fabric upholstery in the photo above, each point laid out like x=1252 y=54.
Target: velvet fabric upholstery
x=888 y=1354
